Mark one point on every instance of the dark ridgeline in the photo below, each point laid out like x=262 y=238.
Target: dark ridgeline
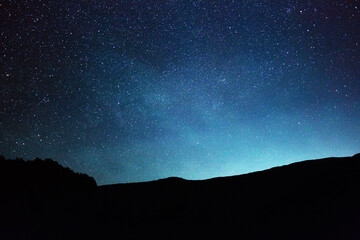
x=317 y=199
x=42 y=177
x=38 y=196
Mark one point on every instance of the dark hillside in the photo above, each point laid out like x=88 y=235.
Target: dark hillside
x=37 y=197
x=316 y=199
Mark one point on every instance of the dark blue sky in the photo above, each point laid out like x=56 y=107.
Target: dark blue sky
x=139 y=90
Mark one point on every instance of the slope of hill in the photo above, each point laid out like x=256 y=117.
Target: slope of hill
x=41 y=176
x=316 y=199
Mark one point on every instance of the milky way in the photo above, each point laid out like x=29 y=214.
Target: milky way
x=139 y=90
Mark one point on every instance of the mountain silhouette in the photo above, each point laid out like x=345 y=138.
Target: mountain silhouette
x=314 y=199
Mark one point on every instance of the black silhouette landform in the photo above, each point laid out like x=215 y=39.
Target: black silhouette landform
x=315 y=199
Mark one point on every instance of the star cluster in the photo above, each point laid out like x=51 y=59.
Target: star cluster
x=136 y=90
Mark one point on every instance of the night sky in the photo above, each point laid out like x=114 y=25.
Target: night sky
x=139 y=90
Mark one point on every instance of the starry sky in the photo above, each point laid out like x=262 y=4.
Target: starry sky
x=137 y=90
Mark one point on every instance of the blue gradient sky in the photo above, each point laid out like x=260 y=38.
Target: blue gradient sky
x=131 y=91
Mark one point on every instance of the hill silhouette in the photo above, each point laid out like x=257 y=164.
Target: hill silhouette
x=315 y=199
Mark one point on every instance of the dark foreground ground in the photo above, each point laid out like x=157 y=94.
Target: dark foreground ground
x=317 y=199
